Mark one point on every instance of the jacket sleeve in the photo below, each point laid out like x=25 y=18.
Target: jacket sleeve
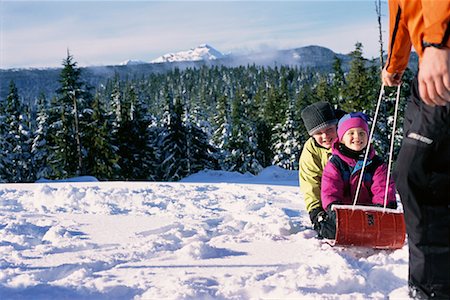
x=400 y=43
x=436 y=18
x=332 y=186
x=310 y=174
x=378 y=187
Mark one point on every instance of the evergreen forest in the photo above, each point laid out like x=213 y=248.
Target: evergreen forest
x=166 y=126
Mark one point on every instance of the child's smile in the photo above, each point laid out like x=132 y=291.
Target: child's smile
x=355 y=139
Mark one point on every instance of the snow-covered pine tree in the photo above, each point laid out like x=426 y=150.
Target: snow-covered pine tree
x=263 y=130
x=201 y=153
x=337 y=83
x=131 y=136
x=222 y=123
x=100 y=157
x=242 y=143
x=173 y=142
x=154 y=154
x=286 y=142
x=66 y=157
x=270 y=111
x=323 y=90
x=3 y=143
x=114 y=110
x=146 y=127
x=40 y=149
x=358 y=93
x=274 y=110
x=16 y=136
x=115 y=106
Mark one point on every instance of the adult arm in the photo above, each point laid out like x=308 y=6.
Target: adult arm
x=434 y=68
x=399 y=46
x=434 y=76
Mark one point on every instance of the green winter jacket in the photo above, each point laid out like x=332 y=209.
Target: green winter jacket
x=312 y=162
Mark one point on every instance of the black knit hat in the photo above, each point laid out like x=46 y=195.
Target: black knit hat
x=318 y=116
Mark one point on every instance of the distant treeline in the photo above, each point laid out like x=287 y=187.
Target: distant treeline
x=169 y=125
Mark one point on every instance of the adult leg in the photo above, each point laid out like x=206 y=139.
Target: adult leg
x=422 y=177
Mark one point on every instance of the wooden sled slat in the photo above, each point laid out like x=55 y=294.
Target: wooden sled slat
x=368 y=226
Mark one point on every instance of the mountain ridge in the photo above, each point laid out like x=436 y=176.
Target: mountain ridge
x=31 y=82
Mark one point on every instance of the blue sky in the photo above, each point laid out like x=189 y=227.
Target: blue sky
x=38 y=33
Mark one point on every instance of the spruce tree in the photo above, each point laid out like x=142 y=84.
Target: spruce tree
x=263 y=134
x=100 y=157
x=262 y=124
x=131 y=136
x=40 y=149
x=4 y=145
x=337 y=83
x=73 y=98
x=222 y=123
x=242 y=144
x=17 y=166
x=202 y=154
x=358 y=92
x=323 y=90
x=147 y=142
x=174 y=165
x=286 y=142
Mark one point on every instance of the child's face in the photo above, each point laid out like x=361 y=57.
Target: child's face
x=355 y=139
x=326 y=136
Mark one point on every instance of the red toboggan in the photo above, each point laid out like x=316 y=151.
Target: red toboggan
x=368 y=226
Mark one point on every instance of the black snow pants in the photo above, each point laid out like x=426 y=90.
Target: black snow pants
x=422 y=176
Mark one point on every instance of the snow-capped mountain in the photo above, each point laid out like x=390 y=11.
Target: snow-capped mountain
x=132 y=62
x=202 y=52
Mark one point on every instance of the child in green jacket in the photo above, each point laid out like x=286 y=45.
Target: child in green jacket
x=320 y=120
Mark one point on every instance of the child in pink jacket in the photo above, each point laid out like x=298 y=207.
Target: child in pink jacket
x=341 y=174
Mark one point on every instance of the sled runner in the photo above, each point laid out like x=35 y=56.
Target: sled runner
x=369 y=226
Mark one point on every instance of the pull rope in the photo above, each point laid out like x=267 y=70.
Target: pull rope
x=368 y=146
x=391 y=148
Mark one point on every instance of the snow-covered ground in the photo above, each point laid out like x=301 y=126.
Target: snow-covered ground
x=215 y=235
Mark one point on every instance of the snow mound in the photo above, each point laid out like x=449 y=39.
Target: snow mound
x=272 y=175
x=73 y=179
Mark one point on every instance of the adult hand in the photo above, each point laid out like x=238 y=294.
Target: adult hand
x=434 y=76
x=391 y=79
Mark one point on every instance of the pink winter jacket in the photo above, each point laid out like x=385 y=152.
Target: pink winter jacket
x=335 y=189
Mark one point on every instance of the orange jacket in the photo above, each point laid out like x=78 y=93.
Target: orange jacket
x=415 y=22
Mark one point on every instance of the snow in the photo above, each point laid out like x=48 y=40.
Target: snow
x=202 y=52
x=130 y=62
x=214 y=235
